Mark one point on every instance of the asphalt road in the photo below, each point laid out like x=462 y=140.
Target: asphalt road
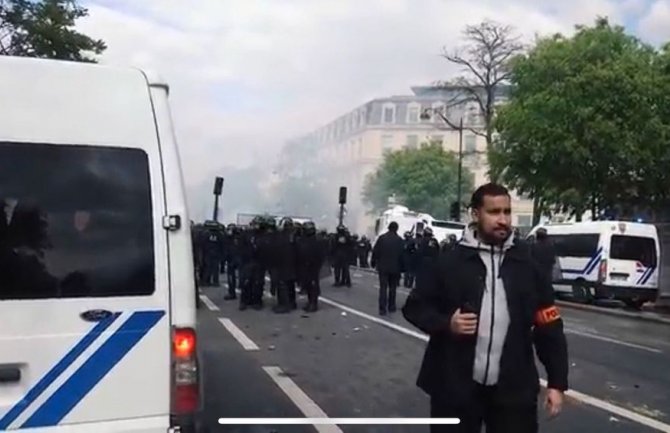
x=347 y=362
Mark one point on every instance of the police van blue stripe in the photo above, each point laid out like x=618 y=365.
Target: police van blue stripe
x=56 y=371
x=590 y=265
x=595 y=263
x=648 y=276
x=94 y=369
x=644 y=275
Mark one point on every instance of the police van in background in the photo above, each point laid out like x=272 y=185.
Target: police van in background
x=441 y=229
x=97 y=305
x=607 y=260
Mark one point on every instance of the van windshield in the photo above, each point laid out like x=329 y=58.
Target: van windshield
x=75 y=221
x=635 y=248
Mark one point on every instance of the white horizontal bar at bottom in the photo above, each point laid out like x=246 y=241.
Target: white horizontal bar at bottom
x=338 y=421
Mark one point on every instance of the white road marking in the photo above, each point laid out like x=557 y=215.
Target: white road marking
x=208 y=302
x=570 y=330
x=377 y=320
x=576 y=395
x=624 y=413
x=237 y=333
x=306 y=405
x=338 y=421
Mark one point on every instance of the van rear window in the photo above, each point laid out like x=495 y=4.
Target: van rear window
x=635 y=248
x=75 y=221
x=575 y=245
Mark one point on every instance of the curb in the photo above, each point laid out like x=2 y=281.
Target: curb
x=591 y=308
x=612 y=312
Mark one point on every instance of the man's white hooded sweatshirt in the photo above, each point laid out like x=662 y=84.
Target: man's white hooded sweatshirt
x=493 y=316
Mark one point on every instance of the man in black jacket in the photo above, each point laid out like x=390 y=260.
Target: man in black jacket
x=387 y=257
x=486 y=308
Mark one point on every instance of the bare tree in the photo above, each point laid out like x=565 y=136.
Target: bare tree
x=484 y=62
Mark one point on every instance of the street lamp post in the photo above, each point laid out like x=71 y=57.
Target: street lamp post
x=460 y=168
x=425 y=115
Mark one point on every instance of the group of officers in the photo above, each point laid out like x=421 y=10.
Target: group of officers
x=294 y=257
x=290 y=255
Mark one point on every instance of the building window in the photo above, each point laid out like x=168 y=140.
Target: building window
x=412 y=141
x=387 y=143
x=389 y=113
x=355 y=119
x=437 y=139
x=360 y=148
x=362 y=117
x=413 y=113
x=524 y=220
x=470 y=143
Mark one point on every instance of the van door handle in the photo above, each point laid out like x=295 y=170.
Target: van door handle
x=10 y=374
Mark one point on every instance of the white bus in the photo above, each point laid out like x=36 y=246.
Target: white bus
x=607 y=260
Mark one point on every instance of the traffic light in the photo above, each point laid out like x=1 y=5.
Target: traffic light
x=343 y=195
x=218 y=186
x=455 y=211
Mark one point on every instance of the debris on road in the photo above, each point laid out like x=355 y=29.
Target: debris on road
x=272 y=347
x=343 y=314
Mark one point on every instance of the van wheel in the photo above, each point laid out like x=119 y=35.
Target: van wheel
x=581 y=292
x=635 y=304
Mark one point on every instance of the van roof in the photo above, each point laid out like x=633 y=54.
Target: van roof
x=64 y=102
x=599 y=226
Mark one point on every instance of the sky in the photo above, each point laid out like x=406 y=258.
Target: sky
x=246 y=75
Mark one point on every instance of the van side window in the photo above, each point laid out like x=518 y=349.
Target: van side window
x=636 y=248
x=577 y=245
x=75 y=221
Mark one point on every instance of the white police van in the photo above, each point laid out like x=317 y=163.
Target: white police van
x=441 y=229
x=607 y=259
x=97 y=305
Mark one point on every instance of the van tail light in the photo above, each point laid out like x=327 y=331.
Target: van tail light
x=185 y=382
x=602 y=271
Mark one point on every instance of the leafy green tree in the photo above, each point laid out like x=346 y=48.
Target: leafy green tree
x=582 y=129
x=46 y=29
x=423 y=179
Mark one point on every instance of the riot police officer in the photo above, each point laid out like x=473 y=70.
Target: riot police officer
x=364 y=248
x=285 y=254
x=409 y=259
x=213 y=254
x=341 y=257
x=310 y=259
x=233 y=243
x=249 y=264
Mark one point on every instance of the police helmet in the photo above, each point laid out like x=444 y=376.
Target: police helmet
x=286 y=223
x=309 y=228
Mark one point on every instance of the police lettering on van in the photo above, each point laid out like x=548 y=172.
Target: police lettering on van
x=97 y=304
x=607 y=259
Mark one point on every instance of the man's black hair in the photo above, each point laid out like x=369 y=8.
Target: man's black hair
x=490 y=189
x=393 y=226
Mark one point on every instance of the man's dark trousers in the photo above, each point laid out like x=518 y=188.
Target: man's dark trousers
x=485 y=410
x=388 y=285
